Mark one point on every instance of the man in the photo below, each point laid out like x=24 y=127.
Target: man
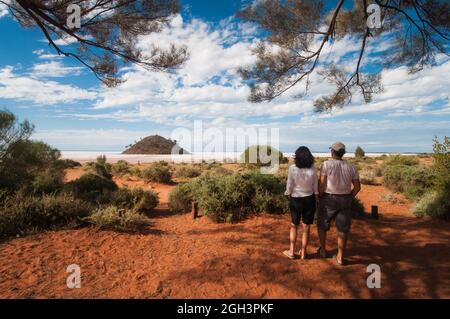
x=336 y=194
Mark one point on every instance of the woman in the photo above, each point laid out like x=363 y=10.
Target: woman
x=302 y=189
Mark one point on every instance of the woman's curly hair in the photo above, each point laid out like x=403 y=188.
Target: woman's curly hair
x=304 y=158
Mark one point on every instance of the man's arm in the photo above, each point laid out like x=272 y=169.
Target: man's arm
x=356 y=187
x=322 y=185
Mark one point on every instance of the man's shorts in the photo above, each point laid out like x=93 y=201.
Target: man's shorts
x=335 y=207
x=303 y=209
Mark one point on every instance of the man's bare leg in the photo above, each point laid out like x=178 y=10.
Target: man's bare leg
x=293 y=238
x=323 y=242
x=342 y=244
x=305 y=240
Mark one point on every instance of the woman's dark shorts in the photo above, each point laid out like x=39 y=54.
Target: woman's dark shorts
x=303 y=209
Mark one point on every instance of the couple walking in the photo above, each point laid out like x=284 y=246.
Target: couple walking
x=331 y=193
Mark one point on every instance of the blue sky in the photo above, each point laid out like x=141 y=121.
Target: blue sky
x=73 y=111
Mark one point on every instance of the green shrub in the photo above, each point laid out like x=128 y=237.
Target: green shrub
x=269 y=195
x=68 y=163
x=187 y=172
x=367 y=177
x=135 y=171
x=25 y=161
x=395 y=160
x=120 y=168
x=435 y=204
x=91 y=187
x=414 y=181
x=218 y=171
x=235 y=197
x=359 y=152
x=101 y=167
x=158 y=173
x=441 y=165
x=112 y=217
x=225 y=199
x=180 y=198
x=135 y=198
x=262 y=155
x=48 y=181
x=20 y=214
x=378 y=171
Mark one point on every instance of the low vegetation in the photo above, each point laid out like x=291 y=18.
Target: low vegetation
x=180 y=198
x=188 y=172
x=21 y=214
x=112 y=217
x=231 y=198
x=262 y=155
x=120 y=168
x=157 y=172
x=413 y=181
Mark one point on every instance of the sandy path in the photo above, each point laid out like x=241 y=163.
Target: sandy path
x=178 y=257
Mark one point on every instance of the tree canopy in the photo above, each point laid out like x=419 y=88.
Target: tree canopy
x=296 y=32
x=108 y=32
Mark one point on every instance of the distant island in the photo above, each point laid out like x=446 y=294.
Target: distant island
x=155 y=145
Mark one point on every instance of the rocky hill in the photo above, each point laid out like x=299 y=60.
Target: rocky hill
x=155 y=145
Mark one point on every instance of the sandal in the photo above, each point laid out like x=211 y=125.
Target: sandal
x=288 y=255
x=300 y=255
x=339 y=262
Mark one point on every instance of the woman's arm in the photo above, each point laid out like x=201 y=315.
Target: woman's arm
x=289 y=184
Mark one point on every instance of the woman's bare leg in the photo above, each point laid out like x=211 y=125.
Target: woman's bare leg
x=293 y=238
x=305 y=240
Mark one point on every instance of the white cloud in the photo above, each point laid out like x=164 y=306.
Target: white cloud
x=24 y=88
x=4 y=9
x=54 y=69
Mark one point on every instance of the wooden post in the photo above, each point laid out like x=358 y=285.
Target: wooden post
x=375 y=212
x=194 y=210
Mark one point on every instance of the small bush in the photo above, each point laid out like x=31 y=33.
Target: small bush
x=135 y=171
x=20 y=214
x=112 y=217
x=225 y=199
x=367 y=177
x=359 y=152
x=414 y=181
x=235 y=197
x=395 y=160
x=101 y=167
x=120 y=168
x=187 y=172
x=391 y=198
x=262 y=155
x=180 y=198
x=435 y=204
x=136 y=199
x=67 y=163
x=48 y=181
x=158 y=173
x=378 y=171
x=218 y=171
x=269 y=195
x=91 y=187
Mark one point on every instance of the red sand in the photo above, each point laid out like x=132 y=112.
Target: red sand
x=178 y=257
